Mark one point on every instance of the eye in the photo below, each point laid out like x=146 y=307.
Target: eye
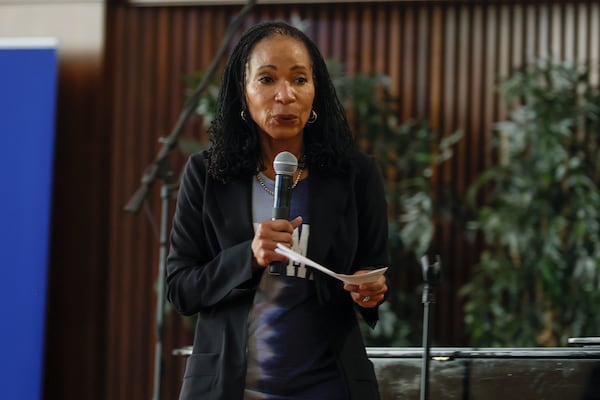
x=301 y=79
x=265 y=79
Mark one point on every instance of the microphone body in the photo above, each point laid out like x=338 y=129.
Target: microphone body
x=282 y=196
x=285 y=165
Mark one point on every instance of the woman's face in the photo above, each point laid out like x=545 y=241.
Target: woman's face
x=279 y=87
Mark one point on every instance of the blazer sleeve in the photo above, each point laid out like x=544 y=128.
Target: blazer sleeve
x=201 y=271
x=372 y=216
x=373 y=226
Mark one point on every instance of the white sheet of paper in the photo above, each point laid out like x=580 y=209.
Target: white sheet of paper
x=367 y=277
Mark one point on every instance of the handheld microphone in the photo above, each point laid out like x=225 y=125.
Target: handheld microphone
x=285 y=164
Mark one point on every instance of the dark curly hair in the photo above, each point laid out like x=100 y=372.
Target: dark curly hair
x=235 y=145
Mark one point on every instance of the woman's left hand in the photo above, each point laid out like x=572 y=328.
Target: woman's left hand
x=367 y=295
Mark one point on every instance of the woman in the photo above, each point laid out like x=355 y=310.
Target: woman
x=292 y=334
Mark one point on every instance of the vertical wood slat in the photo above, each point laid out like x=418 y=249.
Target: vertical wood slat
x=443 y=61
x=594 y=46
x=407 y=79
x=490 y=97
x=366 y=55
x=381 y=40
x=530 y=36
x=556 y=32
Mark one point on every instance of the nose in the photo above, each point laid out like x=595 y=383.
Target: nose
x=285 y=93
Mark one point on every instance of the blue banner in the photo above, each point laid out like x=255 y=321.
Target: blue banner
x=28 y=82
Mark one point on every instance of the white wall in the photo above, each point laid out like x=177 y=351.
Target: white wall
x=77 y=24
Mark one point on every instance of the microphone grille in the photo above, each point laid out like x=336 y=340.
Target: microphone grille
x=285 y=163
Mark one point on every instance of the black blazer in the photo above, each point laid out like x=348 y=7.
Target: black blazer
x=209 y=271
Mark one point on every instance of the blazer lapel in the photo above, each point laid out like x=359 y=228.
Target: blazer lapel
x=236 y=215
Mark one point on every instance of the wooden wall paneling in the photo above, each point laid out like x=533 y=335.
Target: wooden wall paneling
x=126 y=254
x=138 y=252
x=270 y=12
x=367 y=42
x=594 y=55
x=201 y=48
x=581 y=38
x=476 y=92
x=164 y=109
x=543 y=47
x=403 y=47
x=407 y=80
x=204 y=38
x=530 y=47
x=381 y=40
x=463 y=79
x=116 y=105
x=568 y=42
x=462 y=75
x=321 y=27
x=435 y=101
x=435 y=116
x=396 y=57
x=76 y=310
x=148 y=271
x=393 y=39
x=594 y=43
x=176 y=47
x=422 y=64
x=177 y=44
x=284 y=12
x=517 y=35
x=456 y=88
x=435 y=72
x=338 y=34
x=181 y=48
x=352 y=42
x=556 y=32
x=310 y=15
x=120 y=110
x=449 y=72
x=503 y=58
x=128 y=227
x=490 y=94
x=194 y=41
x=474 y=156
x=445 y=229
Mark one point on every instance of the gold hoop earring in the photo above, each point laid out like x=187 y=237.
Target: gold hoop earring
x=243 y=115
x=313 y=117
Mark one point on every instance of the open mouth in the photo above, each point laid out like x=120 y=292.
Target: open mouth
x=286 y=118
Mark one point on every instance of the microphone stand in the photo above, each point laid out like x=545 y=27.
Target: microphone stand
x=161 y=169
x=431 y=273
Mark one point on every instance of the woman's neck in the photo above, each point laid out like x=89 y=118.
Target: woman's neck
x=271 y=150
x=268 y=159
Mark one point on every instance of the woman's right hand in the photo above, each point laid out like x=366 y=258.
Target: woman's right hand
x=266 y=237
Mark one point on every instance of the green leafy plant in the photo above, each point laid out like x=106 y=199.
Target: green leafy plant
x=538 y=214
x=407 y=151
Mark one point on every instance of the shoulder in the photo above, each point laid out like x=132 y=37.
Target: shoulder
x=198 y=160
x=197 y=163
x=195 y=171
x=365 y=165
x=363 y=159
